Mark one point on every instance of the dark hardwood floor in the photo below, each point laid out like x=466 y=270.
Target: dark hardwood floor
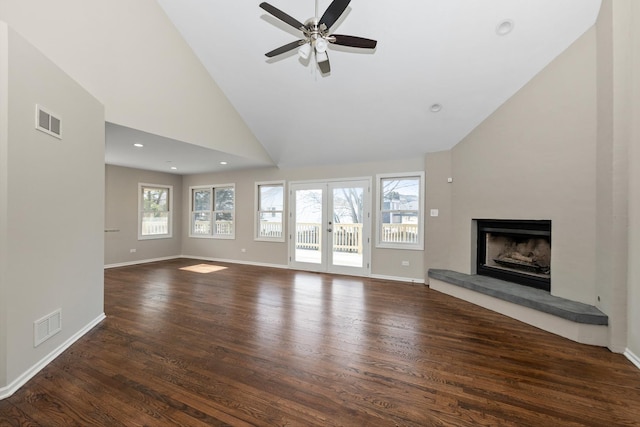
x=257 y=346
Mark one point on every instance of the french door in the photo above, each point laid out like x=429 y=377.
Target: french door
x=330 y=226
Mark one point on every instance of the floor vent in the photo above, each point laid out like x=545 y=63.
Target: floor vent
x=48 y=122
x=46 y=327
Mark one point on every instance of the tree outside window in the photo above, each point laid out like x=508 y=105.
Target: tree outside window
x=213 y=211
x=154 y=211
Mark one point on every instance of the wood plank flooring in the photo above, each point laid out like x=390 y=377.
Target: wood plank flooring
x=254 y=346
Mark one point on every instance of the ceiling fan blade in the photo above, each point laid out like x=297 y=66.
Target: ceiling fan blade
x=286 y=48
x=354 y=41
x=323 y=63
x=281 y=15
x=333 y=12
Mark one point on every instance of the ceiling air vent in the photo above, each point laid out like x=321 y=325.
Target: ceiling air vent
x=47 y=122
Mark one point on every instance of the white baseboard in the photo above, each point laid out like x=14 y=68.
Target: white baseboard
x=141 y=261
x=235 y=261
x=397 y=279
x=31 y=372
x=257 y=264
x=632 y=357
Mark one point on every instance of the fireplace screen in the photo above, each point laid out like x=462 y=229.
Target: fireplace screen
x=516 y=251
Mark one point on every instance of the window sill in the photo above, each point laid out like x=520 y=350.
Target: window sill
x=406 y=247
x=164 y=236
x=196 y=236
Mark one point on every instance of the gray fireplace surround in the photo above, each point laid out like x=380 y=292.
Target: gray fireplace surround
x=536 y=299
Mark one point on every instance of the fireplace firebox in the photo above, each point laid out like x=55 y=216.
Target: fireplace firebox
x=517 y=251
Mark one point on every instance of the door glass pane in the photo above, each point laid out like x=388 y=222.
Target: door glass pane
x=308 y=247
x=347 y=217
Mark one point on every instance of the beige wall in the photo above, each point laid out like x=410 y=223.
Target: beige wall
x=633 y=300
x=121 y=214
x=129 y=56
x=385 y=262
x=535 y=158
x=614 y=117
x=51 y=207
x=4 y=194
x=438 y=229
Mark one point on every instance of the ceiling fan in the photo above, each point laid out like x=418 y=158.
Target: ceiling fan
x=316 y=34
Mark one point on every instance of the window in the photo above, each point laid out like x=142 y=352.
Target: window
x=270 y=211
x=213 y=211
x=400 y=211
x=154 y=211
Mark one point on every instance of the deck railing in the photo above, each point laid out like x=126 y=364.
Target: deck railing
x=399 y=233
x=204 y=227
x=155 y=226
x=346 y=237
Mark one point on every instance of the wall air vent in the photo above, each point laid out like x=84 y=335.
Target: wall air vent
x=46 y=327
x=47 y=122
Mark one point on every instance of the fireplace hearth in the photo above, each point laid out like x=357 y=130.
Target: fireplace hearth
x=517 y=251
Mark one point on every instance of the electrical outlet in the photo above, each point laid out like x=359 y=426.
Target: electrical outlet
x=132 y=251
x=405 y=263
x=243 y=250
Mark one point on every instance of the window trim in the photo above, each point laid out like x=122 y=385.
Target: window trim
x=213 y=235
x=257 y=211
x=169 y=234
x=419 y=246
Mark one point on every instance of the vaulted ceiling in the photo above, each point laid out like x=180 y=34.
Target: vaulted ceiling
x=431 y=54
x=440 y=68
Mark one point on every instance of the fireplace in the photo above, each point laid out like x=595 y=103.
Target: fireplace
x=517 y=251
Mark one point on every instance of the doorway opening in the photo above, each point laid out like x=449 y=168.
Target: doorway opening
x=330 y=226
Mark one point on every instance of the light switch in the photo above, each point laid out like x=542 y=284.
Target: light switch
x=434 y=212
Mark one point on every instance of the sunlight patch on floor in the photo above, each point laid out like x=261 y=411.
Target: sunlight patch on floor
x=203 y=268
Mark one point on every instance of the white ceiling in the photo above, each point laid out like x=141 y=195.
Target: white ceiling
x=374 y=105
x=163 y=154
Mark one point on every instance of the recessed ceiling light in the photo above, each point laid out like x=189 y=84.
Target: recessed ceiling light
x=223 y=163
x=435 y=108
x=504 y=27
x=138 y=145
x=173 y=168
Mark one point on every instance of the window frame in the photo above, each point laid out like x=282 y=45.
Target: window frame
x=417 y=246
x=141 y=187
x=212 y=212
x=258 y=211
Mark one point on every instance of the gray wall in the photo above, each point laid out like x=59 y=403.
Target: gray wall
x=51 y=205
x=439 y=192
x=385 y=262
x=535 y=158
x=121 y=214
x=632 y=13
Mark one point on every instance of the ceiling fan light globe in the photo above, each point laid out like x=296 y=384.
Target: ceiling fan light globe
x=321 y=45
x=304 y=51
